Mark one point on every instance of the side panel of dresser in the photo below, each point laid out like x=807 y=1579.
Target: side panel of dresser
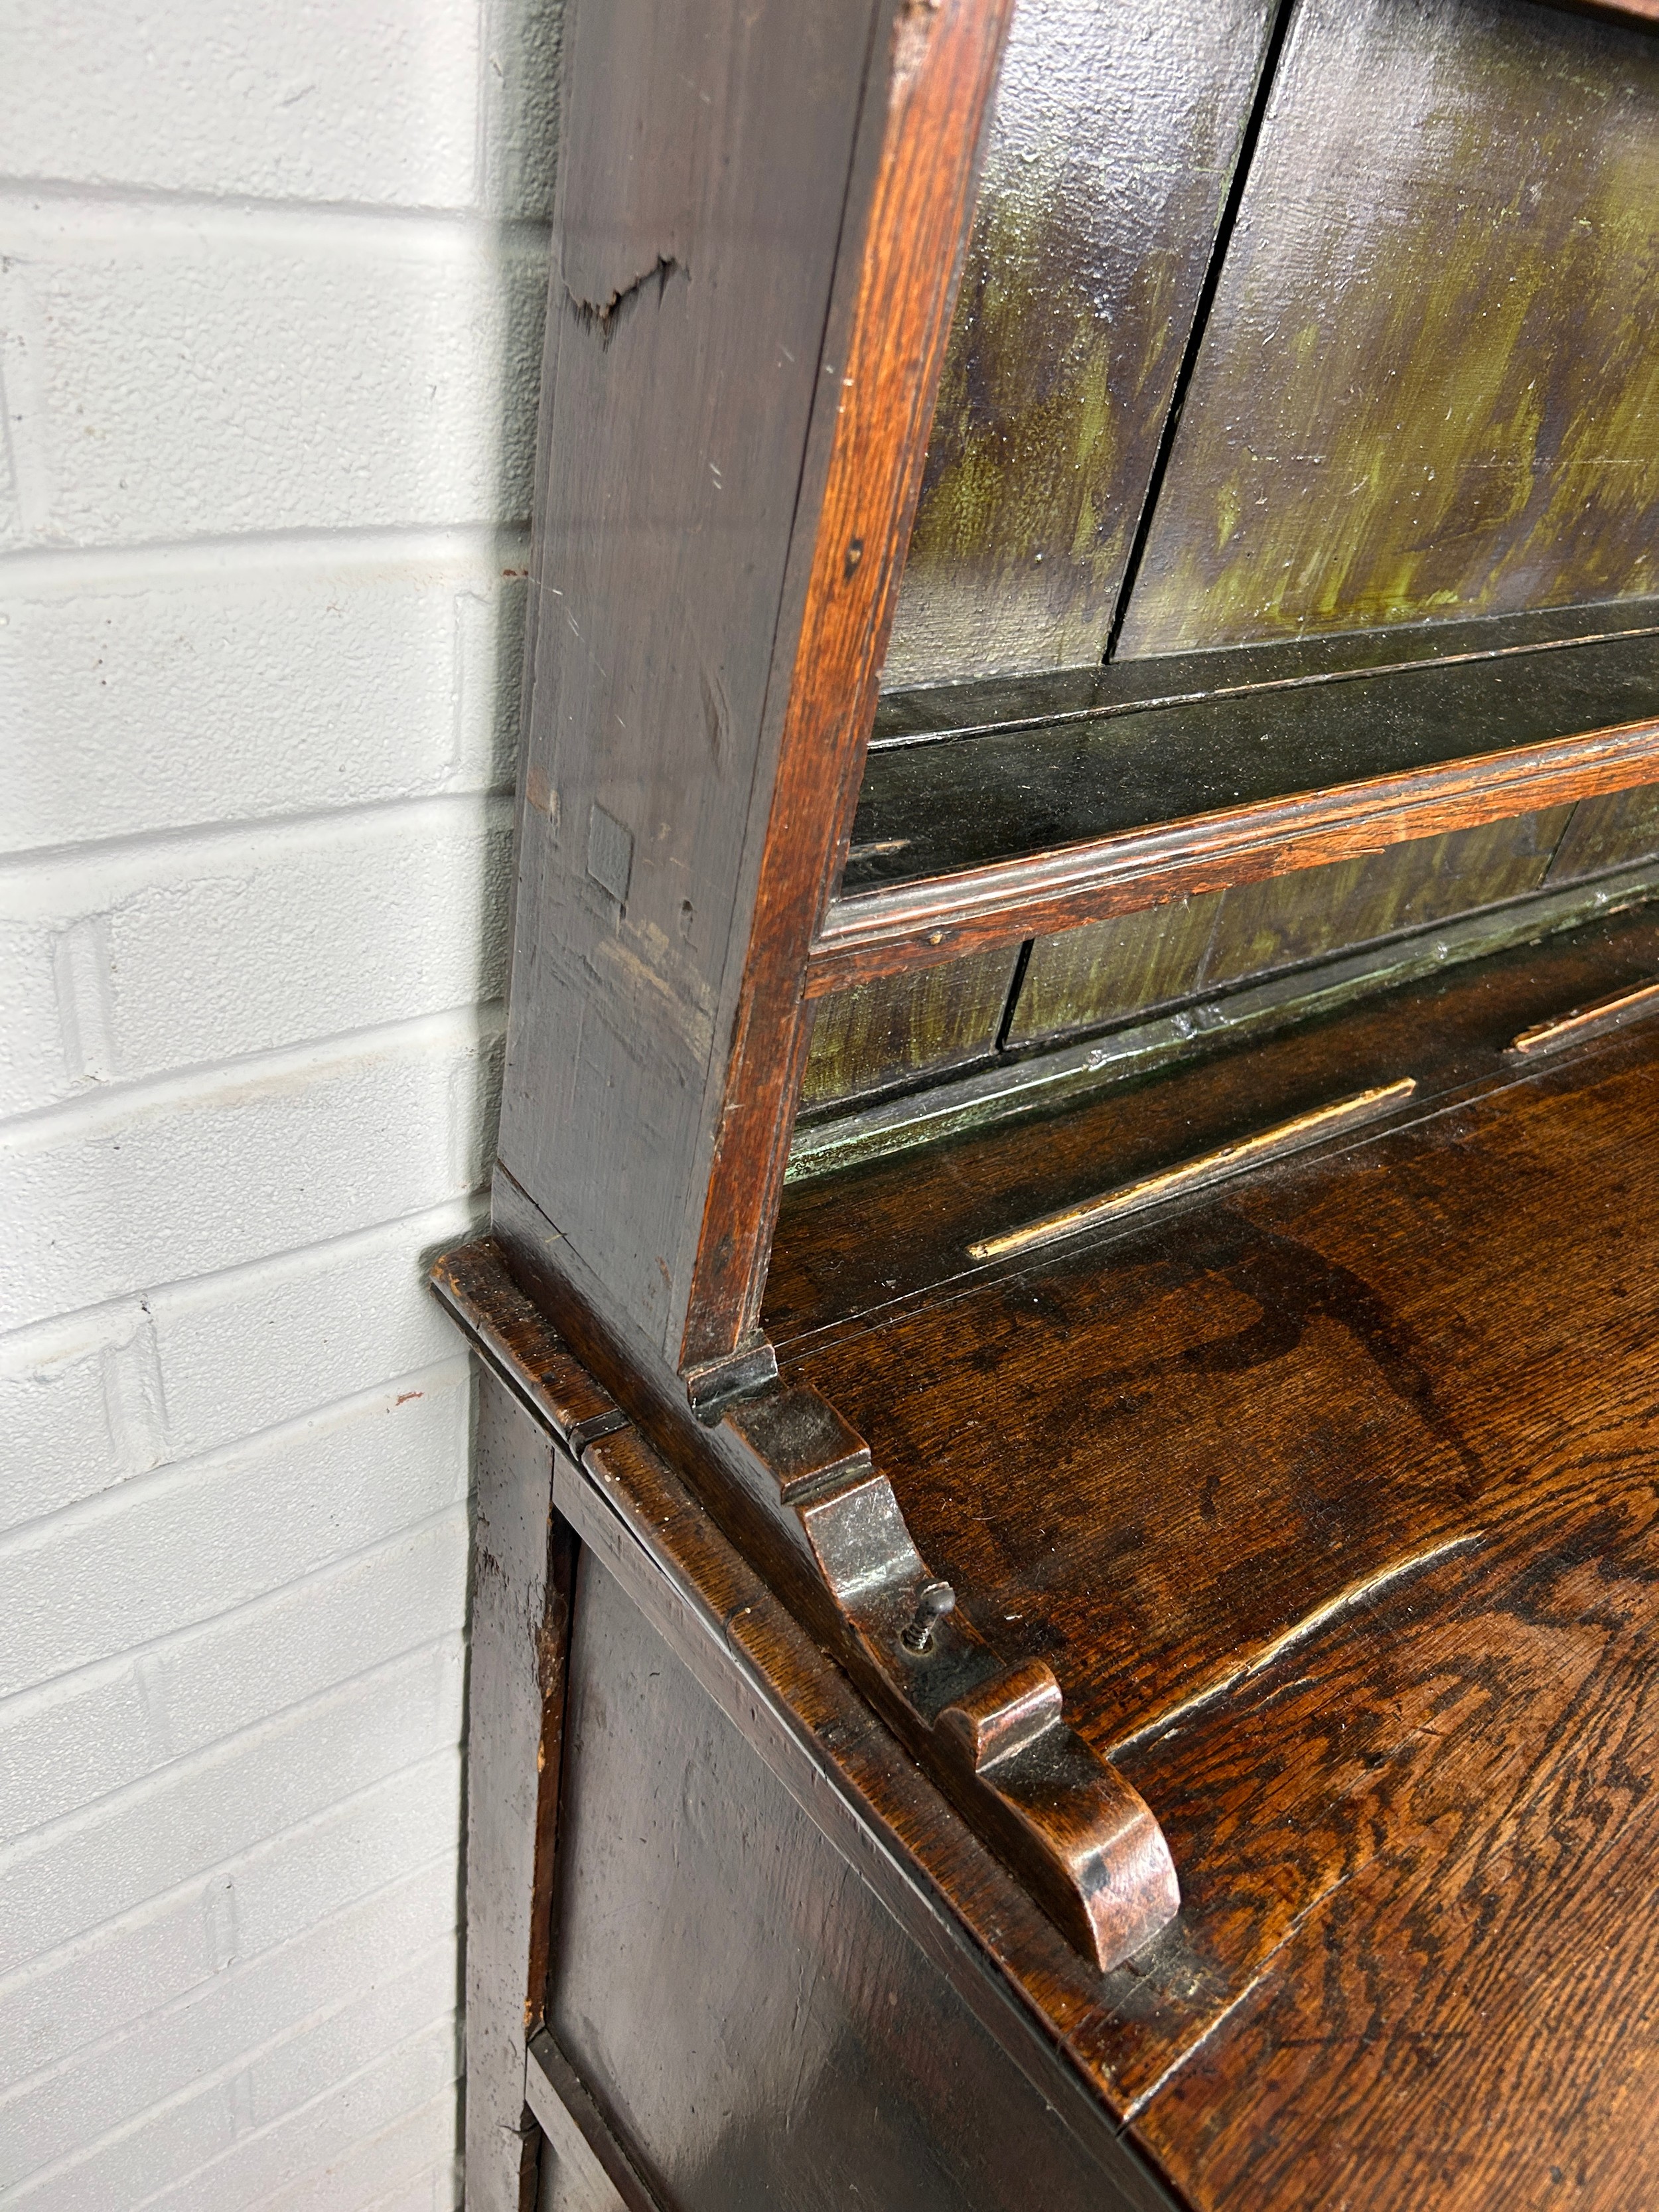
x=744 y=334
x=799 y=1849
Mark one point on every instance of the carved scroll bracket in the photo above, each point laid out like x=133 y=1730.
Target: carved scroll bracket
x=994 y=1736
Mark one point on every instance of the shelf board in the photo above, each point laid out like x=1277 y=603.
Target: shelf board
x=1100 y=791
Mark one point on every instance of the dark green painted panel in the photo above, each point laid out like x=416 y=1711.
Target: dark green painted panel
x=904 y=1026
x=1429 y=386
x=1117 y=128
x=1089 y=978
x=1609 y=833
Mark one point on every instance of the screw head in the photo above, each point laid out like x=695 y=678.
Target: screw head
x=933 y=1601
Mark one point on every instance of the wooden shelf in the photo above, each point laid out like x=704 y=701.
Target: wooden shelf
x=1104 y=791
x=1328 y=1496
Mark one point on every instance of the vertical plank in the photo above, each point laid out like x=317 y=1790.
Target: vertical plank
x=923 y=1023
x=1287 y=919
x=705 y=166
x=522 y=1565
x=937 y=80
x=1111 y=970
x=1607 y=832
x=1108 y=971
x=1428 y=384
x=1116 y=131
x=760 y=219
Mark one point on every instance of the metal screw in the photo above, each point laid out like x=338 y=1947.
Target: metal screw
x=933 y=1602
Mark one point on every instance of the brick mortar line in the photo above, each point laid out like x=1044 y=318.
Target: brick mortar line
x=88 y=1674
x=482 y=1022
x=227 y=1976
x=464 y=1211
x=110 y=1502
x=302 y=550
x=254 y=835
x=110 y=207
x=378 y=2064
x=100 y=1932
x=239 y=2063
x=41 y=1842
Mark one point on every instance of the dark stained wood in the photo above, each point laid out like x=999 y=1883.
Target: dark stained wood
x=1289 y=1533
x=1025 y=1079
x=1044 y=700
x=521 y=1345
x=932 y=89
x=1016 y=789
x=521 y=1582
x=1109 y=970
x=1278 y=920
x=672 y=480
x=880 y=1240
x=1604 y=833
x=1115 y=133
x=583 y=2167
x=745 y=2038
x=792 y=1484
x=1095 y=975
x=903 y=1028
x=1324 y=1617
x=1451 y=1649
x=770 y=2037
x=1427 y=383
x=882 y=932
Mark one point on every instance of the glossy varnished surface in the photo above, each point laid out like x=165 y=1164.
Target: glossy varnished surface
x=1091 y=977
x=1117 y=128
x=934 y=809
x=904 y=1026
x=1427 y=387
x=852 y=1246
x=1331 y=1500
x=1292 y=932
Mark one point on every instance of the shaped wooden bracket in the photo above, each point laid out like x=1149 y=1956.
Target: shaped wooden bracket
x=994 y=1736
x=796 y=1486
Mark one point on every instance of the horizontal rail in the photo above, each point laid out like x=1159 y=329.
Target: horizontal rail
x=916 y=924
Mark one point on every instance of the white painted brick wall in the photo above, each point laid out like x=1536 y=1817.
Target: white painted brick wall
x=272 y=288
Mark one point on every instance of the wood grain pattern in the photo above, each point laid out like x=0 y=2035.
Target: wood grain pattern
x=882 y=933
x=1427 y=386
x=1381 y=1614
x=1115 y=133
x=934 y=88
x=1604 y=833
x=521 y=1346
x=875 y=1240
x=1098 y=974
x=521 y=1584
x=768 y=2035
x=906 y=1027
x=1024 y=1081
x=1223 y=734
x=676 y=474
x=1201 y=1171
